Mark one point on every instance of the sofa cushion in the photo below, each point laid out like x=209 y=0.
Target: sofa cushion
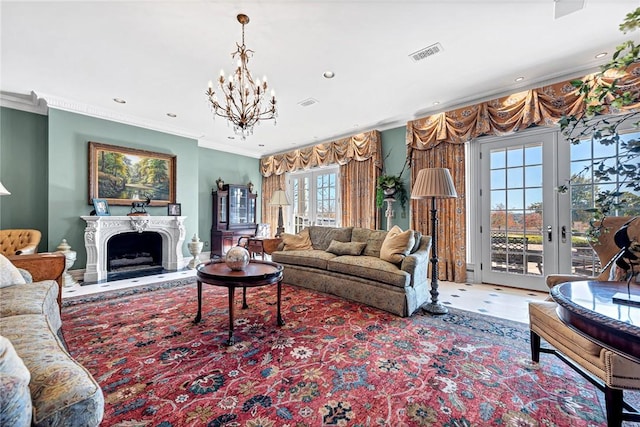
x=397 y=245
x=32 y=298
x=373 y=239
x=346 y=248
x=417 y=236
x=63 y=392
x=321 y=237
x=370 y=268
x=9 y=273
x=15 y=405
x=296 y=242
x=309 y=258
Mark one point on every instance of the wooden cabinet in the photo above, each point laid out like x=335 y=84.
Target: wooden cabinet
x=234 y=215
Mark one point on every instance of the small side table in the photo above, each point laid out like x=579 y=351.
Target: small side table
x=262 y=245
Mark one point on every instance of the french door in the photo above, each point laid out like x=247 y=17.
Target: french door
x=315 y=198
x=520 y=233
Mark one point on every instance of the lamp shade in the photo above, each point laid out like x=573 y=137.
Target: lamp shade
x=433 y=182
x=279 y=198
x=3 y=191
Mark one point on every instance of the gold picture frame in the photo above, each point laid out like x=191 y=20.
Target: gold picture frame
x=123 y=176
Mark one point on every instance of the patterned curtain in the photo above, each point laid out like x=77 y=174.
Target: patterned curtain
x=437 y=141
x=452 y=230
x=542 y=107
x=357 y=181
x=270 y=213
x=358 y=184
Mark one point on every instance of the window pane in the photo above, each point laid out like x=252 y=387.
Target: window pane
x=514 y=157
x=533 y=155
x=498 y=159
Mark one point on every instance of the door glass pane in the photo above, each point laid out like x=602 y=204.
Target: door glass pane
x=587 y=158
x=314 y=199
x=516 y=211
x=326 y=200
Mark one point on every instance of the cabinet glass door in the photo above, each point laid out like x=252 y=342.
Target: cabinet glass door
x=238 y=205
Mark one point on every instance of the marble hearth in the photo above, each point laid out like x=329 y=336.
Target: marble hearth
x=101 y=228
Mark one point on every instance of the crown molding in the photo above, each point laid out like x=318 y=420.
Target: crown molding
x=29 y=103
x=72 y=106
x=229 y=148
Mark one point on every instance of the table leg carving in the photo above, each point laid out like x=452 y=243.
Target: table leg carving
x=244 y=297
x=199 y=315
x=232 y=290
x=280 y=320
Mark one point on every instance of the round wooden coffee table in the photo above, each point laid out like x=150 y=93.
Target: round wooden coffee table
x=257 y=273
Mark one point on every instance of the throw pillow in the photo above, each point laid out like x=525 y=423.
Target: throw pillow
x=346 y=248
x=296 y=242
x=9 y=273
x=396 y=245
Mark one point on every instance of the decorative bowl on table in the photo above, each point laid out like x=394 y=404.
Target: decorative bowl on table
x=237 y=258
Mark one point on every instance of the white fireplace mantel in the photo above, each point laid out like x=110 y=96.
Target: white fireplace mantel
x=101 y=228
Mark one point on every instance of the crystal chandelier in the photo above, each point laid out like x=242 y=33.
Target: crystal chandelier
x=245 y=102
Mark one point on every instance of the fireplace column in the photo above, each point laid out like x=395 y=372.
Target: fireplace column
x=101 y=228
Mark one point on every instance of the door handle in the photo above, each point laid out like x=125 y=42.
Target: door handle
x=563 y=233
x=549 y=233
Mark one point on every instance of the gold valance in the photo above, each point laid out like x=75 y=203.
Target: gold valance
x=543 y=106
x=358 y=147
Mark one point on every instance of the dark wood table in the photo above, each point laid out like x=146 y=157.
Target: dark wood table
x=588 y=307
x=257 y=273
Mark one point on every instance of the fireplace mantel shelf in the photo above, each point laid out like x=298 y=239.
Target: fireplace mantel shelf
x=101 y=228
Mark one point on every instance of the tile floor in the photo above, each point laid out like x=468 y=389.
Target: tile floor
x=499 y=301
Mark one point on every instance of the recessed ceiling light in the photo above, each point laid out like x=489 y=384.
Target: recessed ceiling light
x=601 y=55
x=260 y=145
x=172 y=115
x=329 y=74
x=436 y=103
x=519 y=79
x=120 y=100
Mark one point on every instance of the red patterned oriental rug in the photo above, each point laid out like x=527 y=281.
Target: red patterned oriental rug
x=334 y=363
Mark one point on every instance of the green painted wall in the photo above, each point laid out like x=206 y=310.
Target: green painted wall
x=23 y=171
x=394 y=153
x=44 y=163
x=233 y=169
x=69 y=135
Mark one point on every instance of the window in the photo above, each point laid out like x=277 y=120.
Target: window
x=315 y=198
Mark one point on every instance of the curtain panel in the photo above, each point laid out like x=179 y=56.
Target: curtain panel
x=357 y=178
x=543 y=106
x=270 y=213
x=452 y=229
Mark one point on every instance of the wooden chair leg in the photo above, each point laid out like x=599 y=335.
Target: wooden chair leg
x=613 y=399
x=535 y=346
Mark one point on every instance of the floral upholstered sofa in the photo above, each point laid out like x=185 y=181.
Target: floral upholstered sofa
x=40 y=383
x=386 y=270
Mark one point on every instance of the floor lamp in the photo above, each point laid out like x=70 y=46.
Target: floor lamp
x=279 y=199
x=434 y=183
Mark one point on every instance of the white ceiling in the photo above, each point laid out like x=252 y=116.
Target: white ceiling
x=159 y=56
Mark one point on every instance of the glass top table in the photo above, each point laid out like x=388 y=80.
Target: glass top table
x=589 y=307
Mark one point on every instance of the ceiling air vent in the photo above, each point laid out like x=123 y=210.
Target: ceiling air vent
x=308 y=102
x=426 y=52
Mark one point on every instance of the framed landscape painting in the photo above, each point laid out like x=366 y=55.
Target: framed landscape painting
x=122 y=176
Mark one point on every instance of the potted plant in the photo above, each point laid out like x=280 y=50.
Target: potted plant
x=391 y=186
